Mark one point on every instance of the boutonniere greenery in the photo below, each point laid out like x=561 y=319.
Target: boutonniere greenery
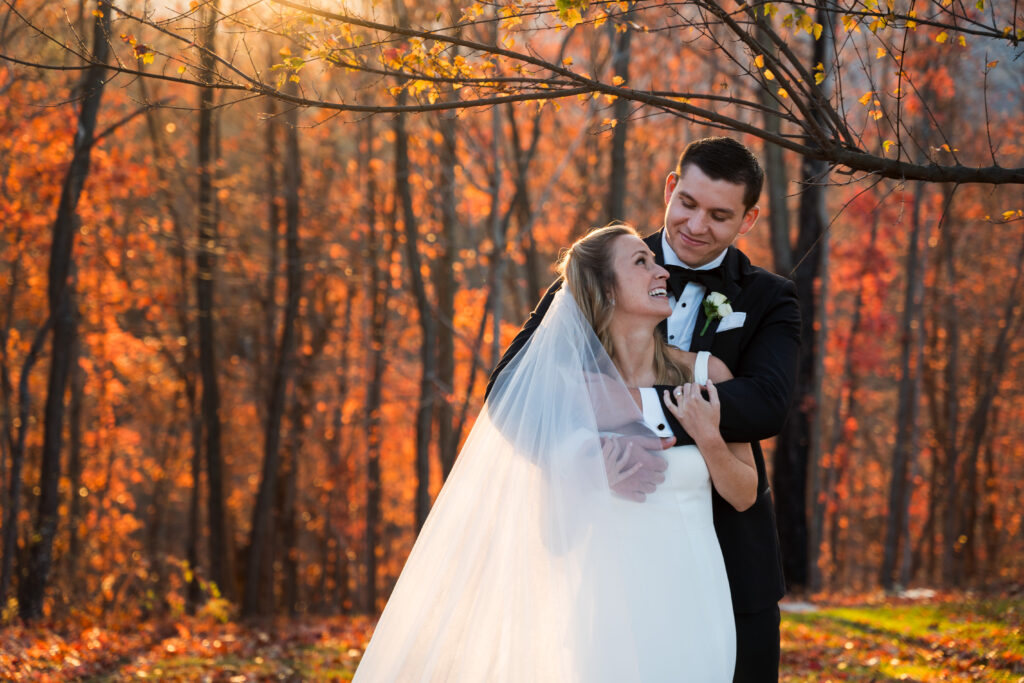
x=716 y=307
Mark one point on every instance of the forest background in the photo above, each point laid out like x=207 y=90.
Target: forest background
x=258 y=260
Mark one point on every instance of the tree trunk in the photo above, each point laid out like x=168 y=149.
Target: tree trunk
x=221 y=548
x=75 y=464
x=615 y=209
x=776 y=180
x=799 y=436
x=982 y=414
x=380 y=261
x=60 y=293
x=336 y=522
x=950 y=544
x=906 y=408
x=445 y=286
x=258 y=598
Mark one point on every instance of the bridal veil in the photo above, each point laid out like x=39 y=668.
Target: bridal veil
x=517 y=575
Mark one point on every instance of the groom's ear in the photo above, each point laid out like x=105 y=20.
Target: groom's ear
x=670 y=186
x=749 y=218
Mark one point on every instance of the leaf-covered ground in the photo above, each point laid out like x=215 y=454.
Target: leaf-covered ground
x=947 y=639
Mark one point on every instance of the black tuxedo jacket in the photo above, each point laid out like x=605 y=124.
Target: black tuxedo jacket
x=762 y=355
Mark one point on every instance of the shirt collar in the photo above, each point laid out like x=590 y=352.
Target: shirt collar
x=672 y=260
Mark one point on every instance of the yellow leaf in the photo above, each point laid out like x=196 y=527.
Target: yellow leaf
x=961 y=41
x=880 y=53
x=759 y=61
x=1007 y=215
x=618 y=80
x=609 y=122
x=819 y=77
x=875 y=114
x=992 y=64
x=817 y=30
x=783 y=94
x=887 y=144
x=942 y=37
x=285 y=52
x=294 y=78
x=147 y=58
x=866 y=97
x=97 y=13
x=181 y=69
x=572 y=17
x=769 y=75
x=567 y=61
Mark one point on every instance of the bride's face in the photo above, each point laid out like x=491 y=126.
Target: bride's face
x=640 y=283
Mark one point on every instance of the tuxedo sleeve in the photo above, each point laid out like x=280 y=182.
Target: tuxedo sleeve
x=524 y=334
x=755 y=402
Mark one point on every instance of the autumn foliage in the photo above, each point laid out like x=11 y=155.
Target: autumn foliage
x=437 y=230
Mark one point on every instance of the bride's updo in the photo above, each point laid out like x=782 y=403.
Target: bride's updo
x=586 y=267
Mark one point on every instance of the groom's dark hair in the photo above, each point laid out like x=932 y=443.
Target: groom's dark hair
x=725 y=159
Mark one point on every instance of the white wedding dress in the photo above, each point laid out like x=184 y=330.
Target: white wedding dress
x=530 y=570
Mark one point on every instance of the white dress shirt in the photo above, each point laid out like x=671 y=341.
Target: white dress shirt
x=687 y=307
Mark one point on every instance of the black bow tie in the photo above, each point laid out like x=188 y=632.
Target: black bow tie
x=713 y=279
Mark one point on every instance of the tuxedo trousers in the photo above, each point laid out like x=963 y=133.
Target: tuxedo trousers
x=757 y=647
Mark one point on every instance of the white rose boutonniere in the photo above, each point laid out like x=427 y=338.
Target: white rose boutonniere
x=716 y=307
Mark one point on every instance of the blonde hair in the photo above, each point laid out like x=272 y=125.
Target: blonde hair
x=586 y=268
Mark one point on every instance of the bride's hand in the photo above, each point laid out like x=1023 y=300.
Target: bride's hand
x=698 y=416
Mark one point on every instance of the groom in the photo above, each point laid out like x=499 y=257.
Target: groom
x=710 y=200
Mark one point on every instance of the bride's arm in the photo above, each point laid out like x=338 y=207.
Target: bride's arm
x=731 y=465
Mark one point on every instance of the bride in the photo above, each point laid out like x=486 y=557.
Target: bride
x=530 y=566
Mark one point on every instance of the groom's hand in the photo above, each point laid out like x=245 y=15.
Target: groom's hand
x=634 y=464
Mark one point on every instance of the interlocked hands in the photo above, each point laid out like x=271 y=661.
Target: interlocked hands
x=634 y=466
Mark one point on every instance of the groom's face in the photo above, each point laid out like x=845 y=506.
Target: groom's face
x=704 y=216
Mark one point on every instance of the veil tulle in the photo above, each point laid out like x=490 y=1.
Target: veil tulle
x=516 y=574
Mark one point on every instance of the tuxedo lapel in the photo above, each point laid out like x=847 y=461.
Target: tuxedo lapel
x=731 y=276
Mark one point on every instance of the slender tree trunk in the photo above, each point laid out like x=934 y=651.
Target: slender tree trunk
x=951 y=322
x=445 y=286
x=339 y=486
x=906 y=407
x=221 y=549
x=982 y=413
x=379 y=260
x=776 y=180
x=800 y=435
x=75 y=464
x=989 y=518
x=35 y=576
x=427 y=316
x=13 y=509
x=615 y=209
x=258 y=598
